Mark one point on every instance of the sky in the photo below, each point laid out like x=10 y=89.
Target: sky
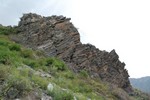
x=123 y=25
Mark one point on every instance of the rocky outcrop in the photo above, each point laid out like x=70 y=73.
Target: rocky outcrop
x=57 y=36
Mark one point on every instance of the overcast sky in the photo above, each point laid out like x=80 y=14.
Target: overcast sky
x=123 y=25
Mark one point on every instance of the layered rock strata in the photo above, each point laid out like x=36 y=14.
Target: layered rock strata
x=58 y=37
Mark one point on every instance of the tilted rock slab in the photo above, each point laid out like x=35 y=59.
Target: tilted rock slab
x=58 y=37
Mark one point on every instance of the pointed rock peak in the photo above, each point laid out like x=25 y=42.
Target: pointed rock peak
x=58 y=37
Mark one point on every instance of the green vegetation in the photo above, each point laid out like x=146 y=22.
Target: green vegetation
x=14 y=58
x=60 y=94
x=6 y=30
x=27 y=53
x=56 y=64
x=23 y=70
x=15 y=82
x=4 y=71
x=84 y=73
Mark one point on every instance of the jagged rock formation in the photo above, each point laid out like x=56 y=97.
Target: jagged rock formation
x=57 y=36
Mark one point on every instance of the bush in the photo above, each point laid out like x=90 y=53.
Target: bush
x=82 y=88
x=8 y=57
x=70 y=75
x=6 y=30
x=15 y=85
x=53 y=62
x=27 y=53
x=59 y=94
x=41 y=82
x=84 y=73
x=49 y=61
x=3 y=43
x=40 y=53
x=4 y=58
x=14 y=47
x=21 y=84
x=31 y=63
x=4 y=72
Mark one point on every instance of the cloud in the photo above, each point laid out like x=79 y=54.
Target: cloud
x=11 y=10
x=107 y=24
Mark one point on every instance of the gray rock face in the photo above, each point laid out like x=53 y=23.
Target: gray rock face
x=57 y=36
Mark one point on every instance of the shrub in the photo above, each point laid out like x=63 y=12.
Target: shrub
x=25 y=72
x=82 y=88
x=16 y=85
x=27 y=53
x=69 y=75
x=8 y=57
x=53 y=62
x=41 y=82
x=42 y=61
x=6 y=30
x=14 y=47
x=4 y=58
x=31 y=63
x=84 y=73
x=40 y=53
x=49 y=61
x=59 y=94
x=3 y=43
x=4 y=72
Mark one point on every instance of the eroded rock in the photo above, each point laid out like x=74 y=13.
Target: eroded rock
x=57 y=36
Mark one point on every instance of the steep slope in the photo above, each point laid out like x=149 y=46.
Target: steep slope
x=57 y=36
x=141 y=83
x=27 y=74
x=30 y=75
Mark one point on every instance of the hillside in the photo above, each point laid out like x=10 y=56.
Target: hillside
x=43 y=59
x=142 y=84
x=58 y=37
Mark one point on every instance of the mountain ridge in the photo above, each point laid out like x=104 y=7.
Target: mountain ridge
x=141 y=83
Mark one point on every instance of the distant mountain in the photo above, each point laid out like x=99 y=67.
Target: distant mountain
x=141 y=83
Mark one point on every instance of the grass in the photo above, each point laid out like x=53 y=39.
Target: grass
x=15 y=56
x=4 y=72
x=14 y=81
x=40 y=81
x=21 y=80
x=6 y=30
x=60 y=94
x=84 y=73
